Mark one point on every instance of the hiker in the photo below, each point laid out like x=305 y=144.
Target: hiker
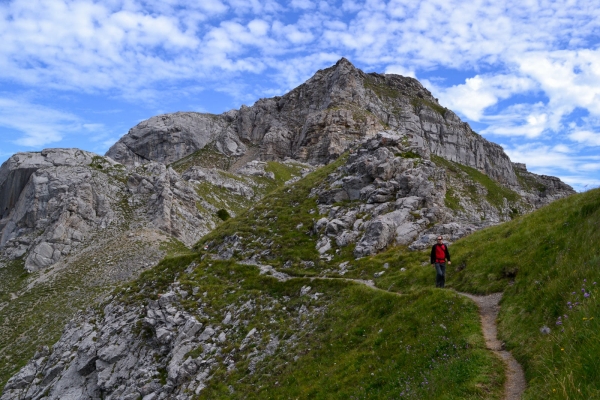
x=439 y=255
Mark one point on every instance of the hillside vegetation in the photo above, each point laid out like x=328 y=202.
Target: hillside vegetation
x=546 y=263
x=338 y=340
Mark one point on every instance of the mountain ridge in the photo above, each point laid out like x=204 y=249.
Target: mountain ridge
x=380 y=156
x=316 y=121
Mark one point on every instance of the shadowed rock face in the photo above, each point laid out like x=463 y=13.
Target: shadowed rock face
x=317 y=121
x=55 y=201
x=16 y=171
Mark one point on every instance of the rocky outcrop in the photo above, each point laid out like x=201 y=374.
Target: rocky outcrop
x=168 y=138
x=159 y=350
x=540 y=189
x=393 y=199
x=16 y=171
x=318 y=121
x=66 y=196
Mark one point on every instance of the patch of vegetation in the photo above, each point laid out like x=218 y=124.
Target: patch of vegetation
x=410 y=154
x=548 y=268
x=220 y=197
x=97 y=162
x=174 y=248
x=419 y=103
x=452 y=201
x=527 y=182
x=223 y=214
x=381 y=89
x=207 y=157
x=272 y=224
x=33 y=317
x=283 y=172
x=496 y=193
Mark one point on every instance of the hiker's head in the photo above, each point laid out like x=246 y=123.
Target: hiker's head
x=439 y=239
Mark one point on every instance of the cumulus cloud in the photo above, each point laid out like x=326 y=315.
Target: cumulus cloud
x=586 y=137
x=140 y=50
x=481 y=92
x=400 y=70
x=37 y=125
x=528 y=120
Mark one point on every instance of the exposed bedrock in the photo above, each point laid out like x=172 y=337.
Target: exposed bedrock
x=318 y=121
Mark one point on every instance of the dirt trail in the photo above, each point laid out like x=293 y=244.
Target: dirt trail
x=489 y=306
x=488 y=311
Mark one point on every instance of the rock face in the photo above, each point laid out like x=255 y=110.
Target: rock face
x=390 y=192
x=168 y=138
x=17 y=170
x=155 y=351
x=316 y=122
x=57 y=200
x=413 y=171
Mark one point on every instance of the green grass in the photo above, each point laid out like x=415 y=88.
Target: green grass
x=539 y=261
x=207 y=157
x=357 y=343
x=381 y=89
x=527 y=182
x=378 y=345
x=37 y=316
x=418 y=102
x=496 y=193
x=277 y=218
x=452 y=201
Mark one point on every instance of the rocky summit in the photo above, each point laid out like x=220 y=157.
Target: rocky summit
x=369 y=162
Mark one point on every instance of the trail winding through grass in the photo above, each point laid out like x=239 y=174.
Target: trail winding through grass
x=488 y=311
x=515 y=383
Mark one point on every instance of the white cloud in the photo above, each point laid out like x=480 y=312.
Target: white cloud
x=144 y=49
x=400 y=70
x=542 y=158
x=574 y=168
x=481 y=92
x=586 y=137
x=302 y=4
x=570 y=79
x=37 y=125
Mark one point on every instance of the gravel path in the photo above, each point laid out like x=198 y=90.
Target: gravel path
x=488 y=311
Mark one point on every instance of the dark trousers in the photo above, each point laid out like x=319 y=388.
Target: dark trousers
x=440 y=274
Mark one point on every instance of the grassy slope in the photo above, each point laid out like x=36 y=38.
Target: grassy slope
x=541 y=261
x=366 y=343
x=413 y=354
x=495 y=193
x=38 y=316
x=553 y=259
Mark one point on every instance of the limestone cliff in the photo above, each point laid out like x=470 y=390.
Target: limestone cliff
x=317 y=121
x=413 y=171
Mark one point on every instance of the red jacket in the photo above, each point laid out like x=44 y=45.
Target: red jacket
x=442 y=250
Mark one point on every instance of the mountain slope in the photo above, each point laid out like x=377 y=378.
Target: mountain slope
x=198 y=326
x=211 y=324
x=403 y=169
x=316 y=122
x=77 y=224
x=547 y=264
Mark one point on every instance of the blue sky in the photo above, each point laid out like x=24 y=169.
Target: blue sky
x=525 y=74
